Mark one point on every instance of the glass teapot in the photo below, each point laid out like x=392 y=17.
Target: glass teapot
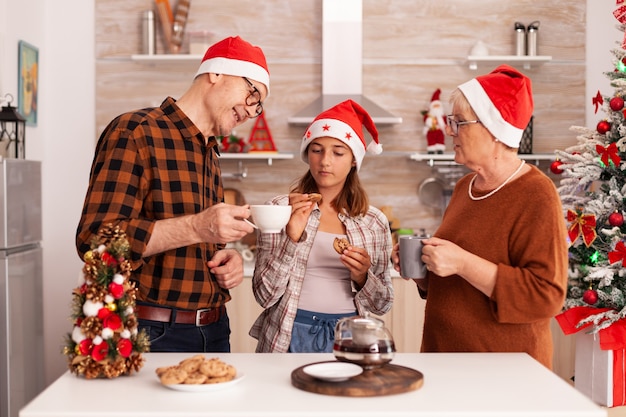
x=363 y=340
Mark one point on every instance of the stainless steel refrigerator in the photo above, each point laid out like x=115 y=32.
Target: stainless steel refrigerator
x=21 y=295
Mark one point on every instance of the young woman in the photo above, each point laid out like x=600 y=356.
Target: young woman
x=306 y=277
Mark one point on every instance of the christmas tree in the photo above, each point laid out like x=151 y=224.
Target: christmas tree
x=593 y=193
x=104 y=341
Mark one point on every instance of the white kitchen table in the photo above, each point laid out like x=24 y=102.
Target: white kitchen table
x=455 y=384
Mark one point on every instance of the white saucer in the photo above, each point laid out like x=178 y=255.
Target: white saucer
x=333 y=371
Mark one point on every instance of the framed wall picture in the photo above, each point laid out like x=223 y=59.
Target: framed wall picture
x=27 y=86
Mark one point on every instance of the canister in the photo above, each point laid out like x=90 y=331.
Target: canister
x=149 y=33
x=520 y=39
x=531 y=41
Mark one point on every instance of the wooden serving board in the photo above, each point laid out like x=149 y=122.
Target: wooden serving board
x=386 y=380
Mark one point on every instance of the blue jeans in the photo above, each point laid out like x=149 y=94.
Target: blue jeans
x=314 y=332
x=173 y=337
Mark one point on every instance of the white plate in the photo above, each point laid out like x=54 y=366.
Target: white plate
x=333 y=371
x=205 y=387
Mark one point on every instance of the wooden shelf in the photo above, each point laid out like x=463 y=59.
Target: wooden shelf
x=167 y=57
x=525 y=60
x=448 y=158
x=269 y=156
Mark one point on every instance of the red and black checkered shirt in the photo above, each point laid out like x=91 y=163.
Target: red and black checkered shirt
x=149 y=165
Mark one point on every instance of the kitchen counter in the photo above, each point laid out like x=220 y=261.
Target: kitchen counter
x=455 y=384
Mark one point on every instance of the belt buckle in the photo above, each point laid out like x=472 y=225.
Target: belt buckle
x=198 y=312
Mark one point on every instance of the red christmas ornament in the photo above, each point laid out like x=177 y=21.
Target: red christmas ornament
x=603 y=127
x=616 y=103
x=555 y=167
x=616 y=219
x=590 y=297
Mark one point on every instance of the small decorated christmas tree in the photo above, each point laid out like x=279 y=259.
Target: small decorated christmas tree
x=104 y=341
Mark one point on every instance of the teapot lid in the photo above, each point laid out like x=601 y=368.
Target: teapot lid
x=365 y=321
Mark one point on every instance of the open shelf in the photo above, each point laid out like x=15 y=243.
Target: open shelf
x=525 y=60
x=448 y=158
x=166 y=57
x=269 y=156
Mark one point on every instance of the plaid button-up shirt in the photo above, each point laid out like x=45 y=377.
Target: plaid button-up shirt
x=281 y=266
x=149 y=165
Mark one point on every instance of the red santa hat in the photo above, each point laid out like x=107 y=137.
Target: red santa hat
x=436 y=95
x=502 y=101
x=345 y=122
x=234 y=56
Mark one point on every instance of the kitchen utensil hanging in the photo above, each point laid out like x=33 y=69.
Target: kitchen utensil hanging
x=431 y=191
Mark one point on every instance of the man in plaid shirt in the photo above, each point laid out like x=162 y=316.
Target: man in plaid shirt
x=156 y=175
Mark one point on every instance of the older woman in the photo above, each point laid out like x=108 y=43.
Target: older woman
x=498 y=262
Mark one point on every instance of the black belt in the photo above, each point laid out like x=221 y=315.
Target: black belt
x=200 y=317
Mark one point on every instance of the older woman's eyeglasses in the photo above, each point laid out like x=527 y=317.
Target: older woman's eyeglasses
x=254 y=99
x=454 y=125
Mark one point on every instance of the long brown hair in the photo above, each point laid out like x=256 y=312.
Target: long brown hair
x=352 y=198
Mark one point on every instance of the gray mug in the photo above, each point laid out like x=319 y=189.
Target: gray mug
x=411 y=265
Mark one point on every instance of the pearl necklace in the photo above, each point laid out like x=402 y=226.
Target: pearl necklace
x=471 y=184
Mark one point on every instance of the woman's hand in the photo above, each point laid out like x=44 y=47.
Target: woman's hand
x=301 y=209
x=442 y=257
x=358 y=262
x=395 y=257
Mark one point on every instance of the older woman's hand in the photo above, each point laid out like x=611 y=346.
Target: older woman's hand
x=395 y=257
x=442 y=257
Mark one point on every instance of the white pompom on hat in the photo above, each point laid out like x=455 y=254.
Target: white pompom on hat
x=234 y=56
x=503 y=102
x=345 y=122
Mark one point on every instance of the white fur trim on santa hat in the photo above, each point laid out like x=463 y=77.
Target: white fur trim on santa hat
x=375 y=148
x=238 y=68
x=489 y=115
x=336 y=129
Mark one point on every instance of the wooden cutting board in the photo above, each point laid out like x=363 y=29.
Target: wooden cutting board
x=386 y=380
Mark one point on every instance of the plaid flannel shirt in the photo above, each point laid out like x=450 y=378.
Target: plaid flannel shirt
x=281 y=265
x=149 y=165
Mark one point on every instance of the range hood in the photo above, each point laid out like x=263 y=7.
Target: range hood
x=342 y=63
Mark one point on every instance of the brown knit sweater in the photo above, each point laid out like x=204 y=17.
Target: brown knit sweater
x=521 y=228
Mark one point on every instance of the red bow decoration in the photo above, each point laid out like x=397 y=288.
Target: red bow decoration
x=597 y=101
x=620 y=15
x=611 y=338
x=608 y=152
x=619 y=254
x=583 y=225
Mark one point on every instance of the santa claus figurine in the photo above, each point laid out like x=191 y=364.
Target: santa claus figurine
x=435 y=125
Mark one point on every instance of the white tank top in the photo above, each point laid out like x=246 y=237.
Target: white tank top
x=327 y=286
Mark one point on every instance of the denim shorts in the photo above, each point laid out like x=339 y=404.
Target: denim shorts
x=314 y=332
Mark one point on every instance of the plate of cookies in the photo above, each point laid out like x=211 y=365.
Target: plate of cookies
x=199 y=374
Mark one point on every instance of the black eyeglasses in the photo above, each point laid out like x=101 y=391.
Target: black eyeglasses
x=454 y=125
x=254 y=99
